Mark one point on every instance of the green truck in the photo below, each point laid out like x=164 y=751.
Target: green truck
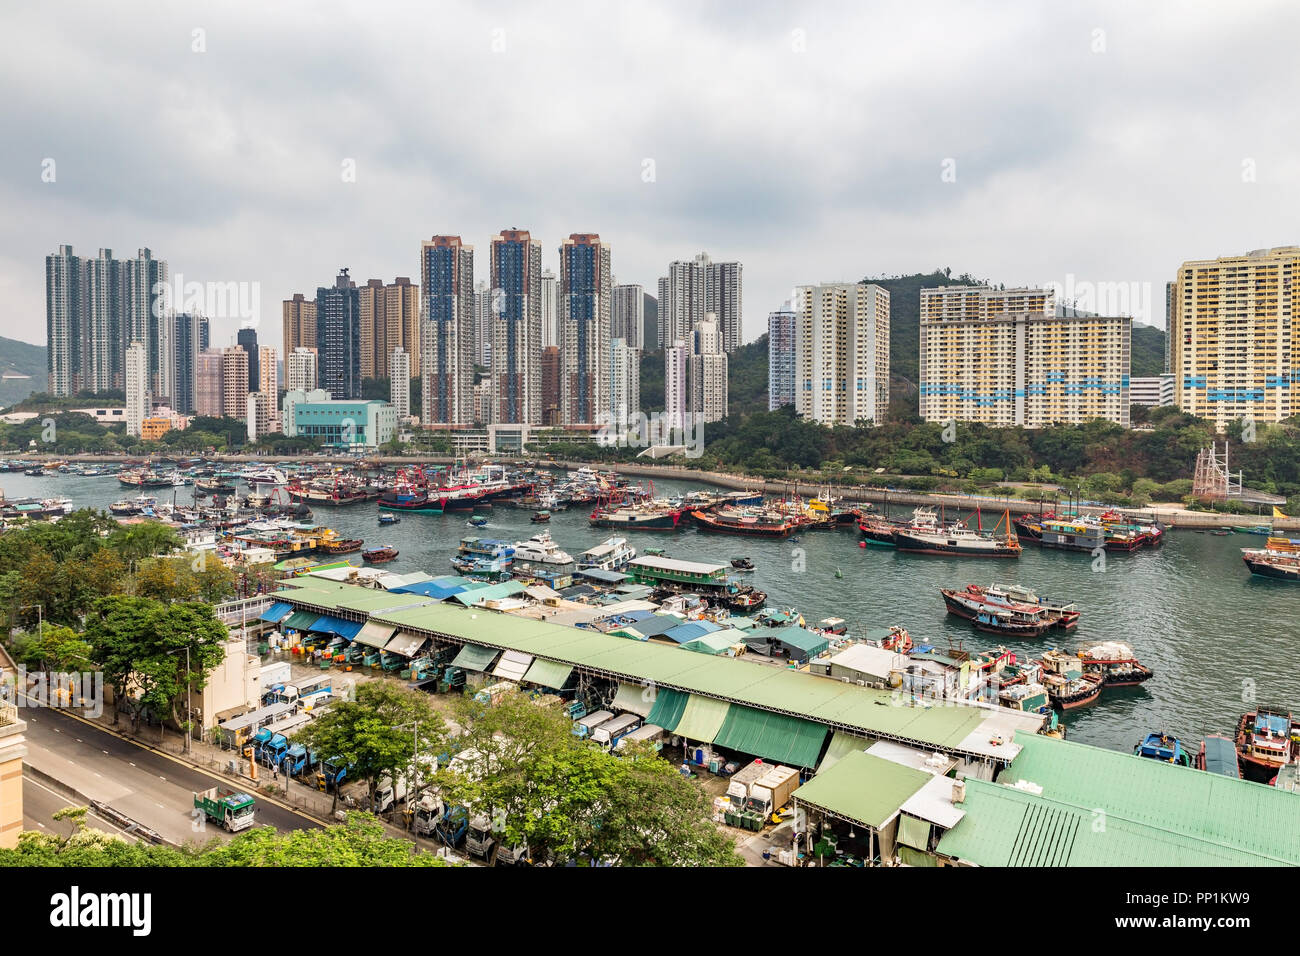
x=229 y=808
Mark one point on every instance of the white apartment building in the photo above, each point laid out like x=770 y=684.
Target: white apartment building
x=137 y=387
x=399 y=371
x=842 y=353
x=300 y=370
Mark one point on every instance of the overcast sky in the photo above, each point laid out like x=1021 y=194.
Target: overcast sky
x=1025 y=143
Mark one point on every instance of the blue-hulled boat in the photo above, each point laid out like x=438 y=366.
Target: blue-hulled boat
x=1165 y=748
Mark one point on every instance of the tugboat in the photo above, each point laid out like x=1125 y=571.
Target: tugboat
x=379 y=555
x=1264 y=743
x=742 y=564
x=1067 y=685
x=1163 y=747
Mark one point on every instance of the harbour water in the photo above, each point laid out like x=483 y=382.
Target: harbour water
x=1217 y=638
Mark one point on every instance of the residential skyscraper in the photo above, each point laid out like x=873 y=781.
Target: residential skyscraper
x=190 y=339
x=403 y=317
x=627 y=315
x=586 y=294
x=374 y=327
x=137 y=387
x=234 y=382
x=842 y=353
x=1235 y=336
x=551 y=385
x=516 y=264
x=677 y=396
x=693 y=289
x=298 y=318
x=624 y=382
x=247 y=340
x=338 y=338
x=95 y=308
x=399 y=385
x=780 y=357
x=268 y=372
x=208 y=380
x=447 y=280
x=482 y=348
x=707 y=372
x=300 y=370
x=390 y=318
x=550 y=309
x=1017 y=357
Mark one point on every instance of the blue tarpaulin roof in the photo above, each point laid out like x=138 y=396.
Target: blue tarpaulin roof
x=336 y=625
x=276 y=612
x=691 y=630
x=440 y=588
x=600 y=574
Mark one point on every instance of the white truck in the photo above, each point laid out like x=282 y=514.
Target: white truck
x=742 y=779
x=389 y=792
x=647 y=733
x=772 y=791
x=429 y=811
x=608 y=734
x=583 y=726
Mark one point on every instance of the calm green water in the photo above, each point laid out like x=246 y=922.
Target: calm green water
x=1214 y=634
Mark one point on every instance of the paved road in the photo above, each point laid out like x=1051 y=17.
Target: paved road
x=150 y=788
x=41 y=801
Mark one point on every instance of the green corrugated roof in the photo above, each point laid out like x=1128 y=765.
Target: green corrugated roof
x=492 y=592
x=1221 y=810
x=774 y=736
x=869 y=711
x=548 y=673
x=810 y=642
x=474 y=657
x=702 y=718
x=841 y=744
x=714 y=643
x=863 y=787
x=300 y=620
x=667 y=709
x=1008 y=827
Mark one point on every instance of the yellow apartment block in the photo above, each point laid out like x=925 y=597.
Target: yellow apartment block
x=1005 y=357
x=841 y=360
x=12 y=750
x=1234 y=349
x=151 y=429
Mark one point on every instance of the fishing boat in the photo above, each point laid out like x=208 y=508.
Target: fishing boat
x=897 y=640
x=742 y=598
x=834 y=626
x=754 y=522
x=143 y=478
x=484 y=558
x=927 y=535
x=141 y=504
x=878 y=531
x=541 y=549
x=995 y=616
x=214 y=486
x=1265 y=742
x=1072 y=534
x=1064 y=615
x=612 y=554
x=646 y=516
x=1067 y=685
x=379 y=555
x=389 y=519
x=742 y=564
x=1279 y=559
x=541 y=517
x=1115 y=663
x=1218 y=755
x=1261 y=529
x=330 y=543
x=1163 y=747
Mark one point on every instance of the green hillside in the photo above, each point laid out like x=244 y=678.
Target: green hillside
x=23 y=368
x=1147 y=351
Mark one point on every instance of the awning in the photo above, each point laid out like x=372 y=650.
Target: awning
x=841 y=744
x=702 y=718
x=375 y=634
x=275 y=612
x=914 y=833
x=631 y=699
x=405 y=644
x=789 y=740
x=513 y=665
x=667 y=709
x=328 y=624
x=548 y=674
x=300 y=620
x=475 y=657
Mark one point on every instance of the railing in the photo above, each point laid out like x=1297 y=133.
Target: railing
x=8 y=713
x=238 y=612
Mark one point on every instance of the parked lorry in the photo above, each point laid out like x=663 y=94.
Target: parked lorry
x=741 y=780
x=332 y=773
x=429 y=811
x=772 y=791
x=298 y=761
x=651 y=734
x=308 y=693
x=583 y=727
x=388 y=792
x=230 y=809
x=608 y=734
x=275 y=673
x=479 y=841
